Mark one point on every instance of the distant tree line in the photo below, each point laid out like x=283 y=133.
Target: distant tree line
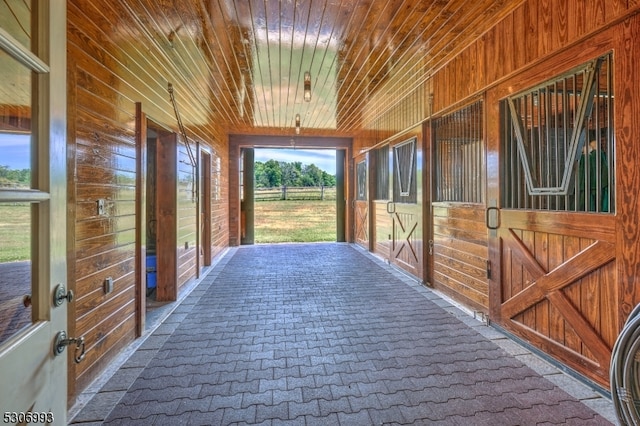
x=274 y=173
x=14 y=177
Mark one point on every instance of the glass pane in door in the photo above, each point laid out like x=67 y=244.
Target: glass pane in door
x=15 y=176
x=15 y=268
x=15 y=18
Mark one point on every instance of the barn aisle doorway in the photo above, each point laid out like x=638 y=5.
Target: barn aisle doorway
x=161 y=214
x=242 y=146
x=294 y=195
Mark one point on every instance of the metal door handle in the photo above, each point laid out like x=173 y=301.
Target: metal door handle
x=62 y=342
x=487 y=213
x=391 y=207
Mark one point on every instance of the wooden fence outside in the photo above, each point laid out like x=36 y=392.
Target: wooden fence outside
x=295 y=193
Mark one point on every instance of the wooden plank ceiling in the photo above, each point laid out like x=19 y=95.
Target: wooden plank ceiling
x=352 y=49
x=248 y=57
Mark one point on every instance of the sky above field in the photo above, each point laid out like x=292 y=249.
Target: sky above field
x=14 y=153
x=325 y=159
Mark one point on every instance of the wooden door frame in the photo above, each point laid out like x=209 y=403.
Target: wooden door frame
x=344 y=189
x=204 y=198
x=372 y=176
x=33 y=379
x=141 y=219
x=247 y=202
x=342 y=145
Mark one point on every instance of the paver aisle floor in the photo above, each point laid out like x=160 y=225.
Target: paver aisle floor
x=324 y=334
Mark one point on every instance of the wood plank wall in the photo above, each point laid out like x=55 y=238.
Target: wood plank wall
x=405 y=114
x=115 y=60
x=535 y=31
x=460 y=253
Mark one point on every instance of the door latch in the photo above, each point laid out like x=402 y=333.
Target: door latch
x=62 y=342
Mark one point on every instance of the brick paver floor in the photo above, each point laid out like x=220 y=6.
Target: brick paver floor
x=324 y=334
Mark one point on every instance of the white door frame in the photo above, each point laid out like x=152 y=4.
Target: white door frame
x=33 y=378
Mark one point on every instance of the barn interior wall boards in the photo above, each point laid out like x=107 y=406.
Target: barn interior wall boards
x=125 y=148
x=463 y=158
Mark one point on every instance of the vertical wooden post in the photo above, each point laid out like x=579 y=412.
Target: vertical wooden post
x=205 y=200
x=246 y=205
x=141 y=219
x=340 y=201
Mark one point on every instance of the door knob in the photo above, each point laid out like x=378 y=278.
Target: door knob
x=61 y=294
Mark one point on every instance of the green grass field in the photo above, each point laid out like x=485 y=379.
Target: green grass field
x=15 y=231
x=295 y=221
x=275 y=222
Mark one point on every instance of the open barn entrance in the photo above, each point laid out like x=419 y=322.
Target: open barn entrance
x=294 y=209
x=294 y=195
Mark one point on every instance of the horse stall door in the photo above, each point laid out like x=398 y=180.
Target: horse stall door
x=405 y=208
x=361 y=202
x=553 y=243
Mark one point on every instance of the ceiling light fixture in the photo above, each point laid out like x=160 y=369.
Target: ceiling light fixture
x=307 y=86
x=172 y=36
x=297 y=124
